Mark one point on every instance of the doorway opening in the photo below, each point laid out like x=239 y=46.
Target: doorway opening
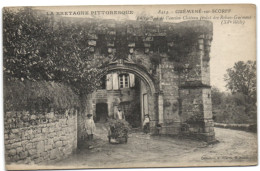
x=129 y=87
x=101 y=112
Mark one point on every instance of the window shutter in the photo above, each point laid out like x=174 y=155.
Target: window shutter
x=115 y=81
x=132 y=80
x=109 y=81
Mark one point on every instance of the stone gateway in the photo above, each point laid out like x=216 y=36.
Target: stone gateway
x=155 y=68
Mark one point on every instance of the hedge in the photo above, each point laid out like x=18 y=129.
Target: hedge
x=38 y=96
x=244 y=127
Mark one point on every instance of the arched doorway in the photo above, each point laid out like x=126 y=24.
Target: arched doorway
x=148 y=98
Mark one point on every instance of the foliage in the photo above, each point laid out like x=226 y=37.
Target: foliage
x=119 y=128
x=232 y=108
x=241 y=78
x=25 y=43
x=195 y=118
x=121 y=43
x=155 y=59
x=180 y=51
x=38 y=96
x=240 y=106
x=216 y=96
x=38 y=47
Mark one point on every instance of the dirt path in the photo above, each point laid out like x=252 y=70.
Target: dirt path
x=234 y=148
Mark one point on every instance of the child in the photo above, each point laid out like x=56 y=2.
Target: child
x=90 y=126
x=146 y=123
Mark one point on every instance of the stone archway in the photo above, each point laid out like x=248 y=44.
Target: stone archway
x=142 y=74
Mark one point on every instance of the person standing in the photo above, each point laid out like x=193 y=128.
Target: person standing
x=90 y=126
x=120 y=115
x=146 y=123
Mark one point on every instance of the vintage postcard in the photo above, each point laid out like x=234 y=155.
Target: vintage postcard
x=129 y=86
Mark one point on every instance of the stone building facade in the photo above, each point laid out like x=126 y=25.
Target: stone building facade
x=163 y=68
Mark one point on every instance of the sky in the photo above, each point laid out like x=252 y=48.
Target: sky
x=231 y=43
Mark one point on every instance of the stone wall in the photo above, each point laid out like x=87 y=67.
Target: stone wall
x=41 y=142
x=192 y=104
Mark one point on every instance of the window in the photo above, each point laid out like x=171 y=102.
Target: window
x=123 y=81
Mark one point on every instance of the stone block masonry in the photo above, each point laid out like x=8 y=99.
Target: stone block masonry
x=42 y=143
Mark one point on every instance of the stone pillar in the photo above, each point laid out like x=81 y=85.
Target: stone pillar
x=160 y=97
x=153 y=108
x=160 y=108
x=197 y=113
x=204 y=42
x=208 y=131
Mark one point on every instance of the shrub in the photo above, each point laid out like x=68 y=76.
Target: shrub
x=233 y=108
x=119 y=128
x=38 y=96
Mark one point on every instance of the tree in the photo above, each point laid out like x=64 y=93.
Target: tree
x=24 y=40
x=39 y=47
x=240 y=105
x=241 y=78
x=74 y=63
x=216 y=96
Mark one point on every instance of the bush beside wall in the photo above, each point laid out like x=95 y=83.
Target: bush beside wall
x=37 y=96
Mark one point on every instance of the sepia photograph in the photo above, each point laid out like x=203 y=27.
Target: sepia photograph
x=129 y=86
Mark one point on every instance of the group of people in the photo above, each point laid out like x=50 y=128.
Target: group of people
x=91 y=127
